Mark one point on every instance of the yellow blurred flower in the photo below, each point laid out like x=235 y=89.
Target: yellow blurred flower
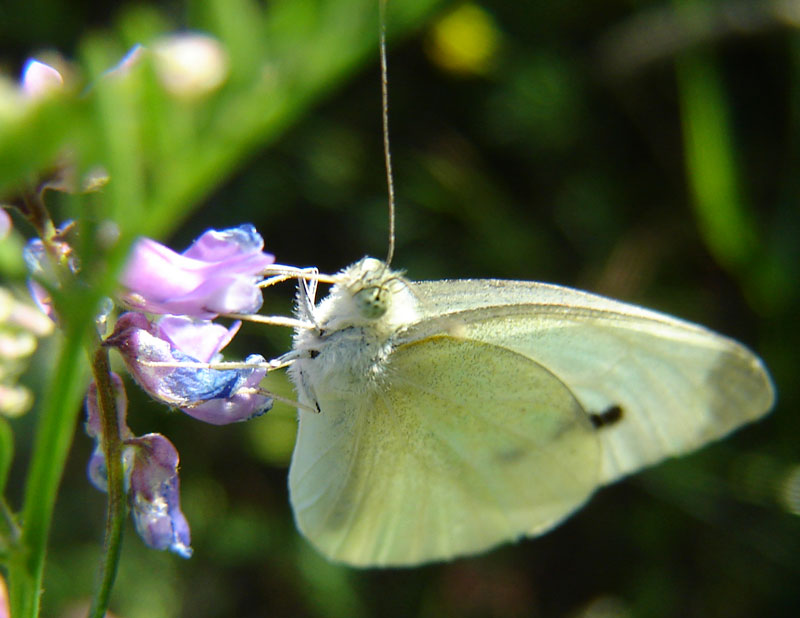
x=464 y=41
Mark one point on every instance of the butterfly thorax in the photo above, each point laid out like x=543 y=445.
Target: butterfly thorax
x=347 y=351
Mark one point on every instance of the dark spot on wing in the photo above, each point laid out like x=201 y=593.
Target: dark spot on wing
x=313 y=353
x=611 y=416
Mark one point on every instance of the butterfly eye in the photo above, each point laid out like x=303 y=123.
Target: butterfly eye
x=372 y=302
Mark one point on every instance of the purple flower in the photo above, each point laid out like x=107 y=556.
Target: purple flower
x=150 y=465
x=94 y=427
x=217 y=396
x=97 y=471
x=244 y=401
x=202 y=340
x=218 y=274
x=154 y=500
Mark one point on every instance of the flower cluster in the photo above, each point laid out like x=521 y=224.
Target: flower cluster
x=218 y=274
x=170 y=345
x=167 y=338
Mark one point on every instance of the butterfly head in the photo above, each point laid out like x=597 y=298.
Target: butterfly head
x=369 y=282
x=373 y=301
x=368 y=293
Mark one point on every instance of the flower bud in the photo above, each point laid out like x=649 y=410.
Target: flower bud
x=154 y=499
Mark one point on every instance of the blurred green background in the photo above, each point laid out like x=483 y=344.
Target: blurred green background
x=644 y=150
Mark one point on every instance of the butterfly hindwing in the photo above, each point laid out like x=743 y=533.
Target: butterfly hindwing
x=457 y=446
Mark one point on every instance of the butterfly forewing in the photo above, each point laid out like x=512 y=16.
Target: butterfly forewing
x=674 y=385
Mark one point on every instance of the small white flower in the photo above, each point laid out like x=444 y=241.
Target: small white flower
x=40 y=79
x=190 y=65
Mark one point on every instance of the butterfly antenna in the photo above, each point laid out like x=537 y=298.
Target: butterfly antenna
x=387 y=154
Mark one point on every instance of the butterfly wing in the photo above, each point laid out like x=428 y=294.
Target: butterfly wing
x=458 y=446
x=675 y=385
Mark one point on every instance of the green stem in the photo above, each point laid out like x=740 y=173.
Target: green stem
x=9 y=530
x=53 y=438
x=8 y=522
x=112 y=447
x=6 y=453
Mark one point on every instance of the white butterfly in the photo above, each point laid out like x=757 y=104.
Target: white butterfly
x=452 y=416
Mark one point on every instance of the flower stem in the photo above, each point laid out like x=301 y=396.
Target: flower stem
x=115 y=515
x=38 y=215
x=8 y=522
x=9 y=530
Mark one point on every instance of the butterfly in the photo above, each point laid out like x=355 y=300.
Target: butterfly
x=442 y=418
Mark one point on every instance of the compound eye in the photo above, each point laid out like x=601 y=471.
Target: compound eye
x=372 y=301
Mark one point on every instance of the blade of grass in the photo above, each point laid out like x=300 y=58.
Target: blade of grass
x=724 y=222
x=54 y=433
